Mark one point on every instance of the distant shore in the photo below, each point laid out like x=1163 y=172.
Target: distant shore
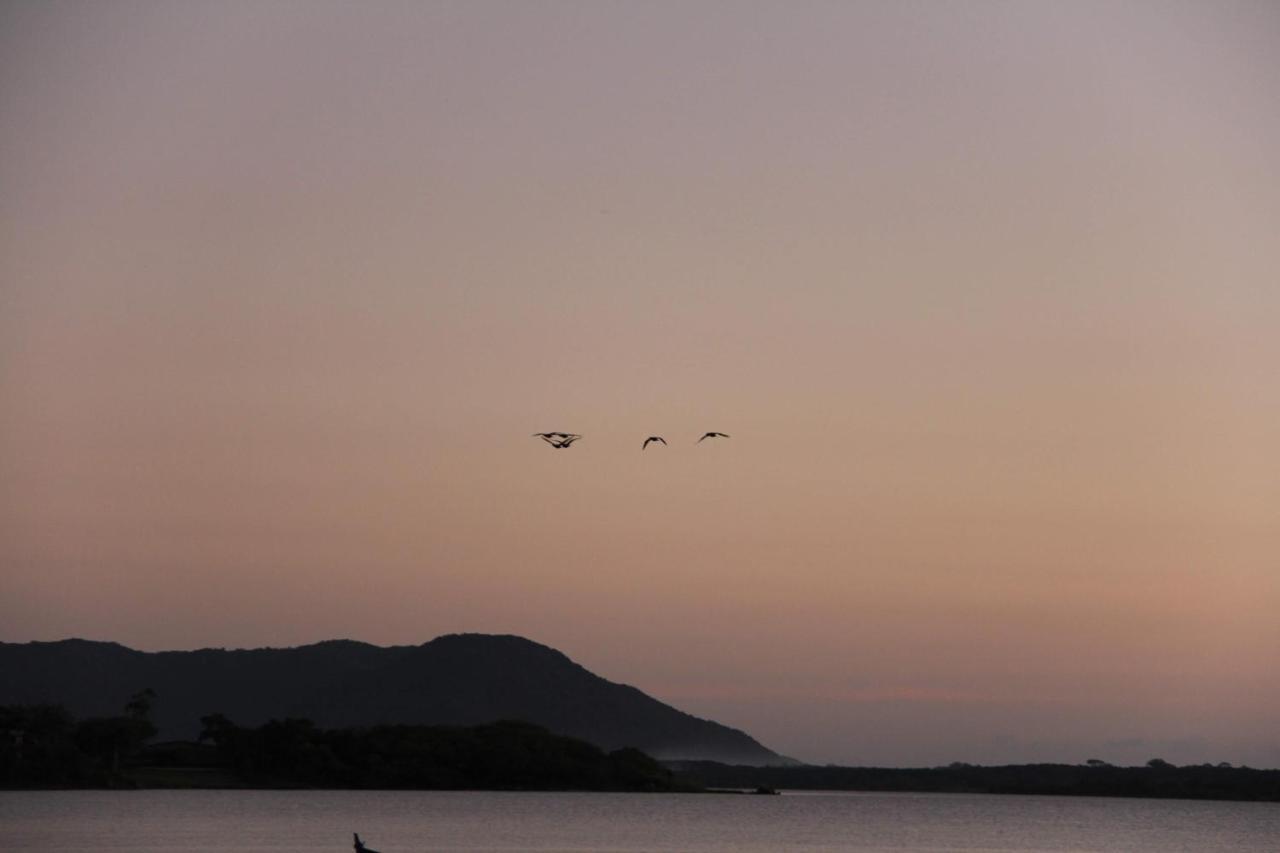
x=1242 y=784
x=44 y=748
x=1158 y=780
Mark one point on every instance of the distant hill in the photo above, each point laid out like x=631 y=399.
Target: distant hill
x=457 y=680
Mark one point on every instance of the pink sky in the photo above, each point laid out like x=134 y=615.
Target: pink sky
x=986 y=295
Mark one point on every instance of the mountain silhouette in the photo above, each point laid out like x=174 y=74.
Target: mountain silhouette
x=457 y=679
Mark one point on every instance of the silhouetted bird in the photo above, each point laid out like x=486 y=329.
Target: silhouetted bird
x=712 y=435
x=652 y=438
x=359 y=845
x=557 y=439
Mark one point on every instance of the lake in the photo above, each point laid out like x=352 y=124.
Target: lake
x=419 y=821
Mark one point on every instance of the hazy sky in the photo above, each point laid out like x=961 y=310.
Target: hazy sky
x=987 y=294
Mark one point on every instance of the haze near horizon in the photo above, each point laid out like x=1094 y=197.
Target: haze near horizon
x=985 y=295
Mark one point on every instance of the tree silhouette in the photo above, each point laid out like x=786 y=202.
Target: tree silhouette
x=139 y=704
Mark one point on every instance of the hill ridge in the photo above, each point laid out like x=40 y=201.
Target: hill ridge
x=453 y=679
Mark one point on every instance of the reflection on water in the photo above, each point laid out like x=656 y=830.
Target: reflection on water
x=414 y=822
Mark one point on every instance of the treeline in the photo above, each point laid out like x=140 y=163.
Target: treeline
x=1095 y=779
x=505 y=755
x=43 y=746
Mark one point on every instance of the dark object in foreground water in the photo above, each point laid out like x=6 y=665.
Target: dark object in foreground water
x=764 y=789
x=359 y=845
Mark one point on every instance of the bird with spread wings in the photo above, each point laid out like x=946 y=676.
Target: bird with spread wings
x=558 y=440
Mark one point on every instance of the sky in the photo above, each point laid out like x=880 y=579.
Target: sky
x=986 y=295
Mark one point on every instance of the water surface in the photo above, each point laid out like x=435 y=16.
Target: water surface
x=419 y=821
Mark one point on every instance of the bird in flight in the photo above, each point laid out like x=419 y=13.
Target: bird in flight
x=712 y=435
x=558 y=440
x=652 y=438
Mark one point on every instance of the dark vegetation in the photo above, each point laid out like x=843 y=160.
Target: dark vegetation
x=420 y=717
x=44 y=747
x=456 y=680
x=1095 y=778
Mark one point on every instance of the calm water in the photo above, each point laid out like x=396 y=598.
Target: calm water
x=412 y=822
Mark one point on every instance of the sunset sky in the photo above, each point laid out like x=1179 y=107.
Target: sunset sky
x=987 y=295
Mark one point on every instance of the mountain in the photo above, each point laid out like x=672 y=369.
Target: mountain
x=458 y=679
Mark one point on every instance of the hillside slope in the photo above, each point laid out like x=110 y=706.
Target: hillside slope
x=459 y=679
